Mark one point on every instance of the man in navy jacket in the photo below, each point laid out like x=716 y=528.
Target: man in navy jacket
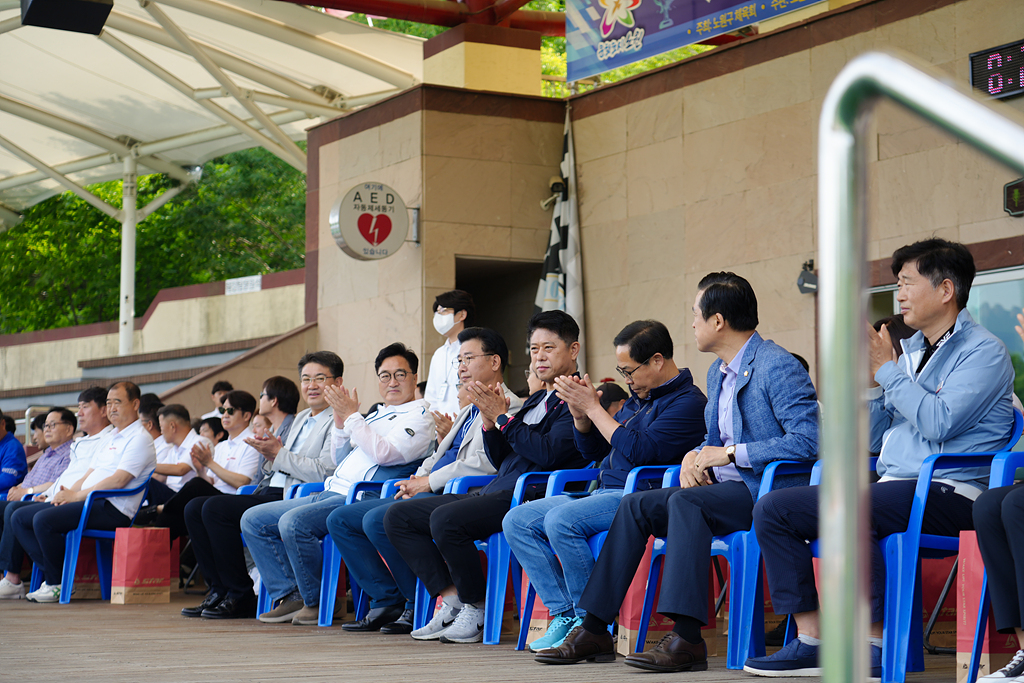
x=662 y=420
x=761 y=407
x=435 y=535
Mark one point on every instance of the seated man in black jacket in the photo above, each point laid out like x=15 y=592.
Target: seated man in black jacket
x=435 y=535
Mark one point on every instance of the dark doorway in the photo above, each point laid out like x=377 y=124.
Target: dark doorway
x=504 y=292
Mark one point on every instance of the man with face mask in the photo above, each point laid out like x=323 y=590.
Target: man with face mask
x=453 y=312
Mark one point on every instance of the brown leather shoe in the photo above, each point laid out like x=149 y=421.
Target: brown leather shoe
x=580 y=644
x=672 y=653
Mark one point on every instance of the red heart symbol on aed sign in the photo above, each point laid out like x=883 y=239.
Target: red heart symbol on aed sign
x=374 y=229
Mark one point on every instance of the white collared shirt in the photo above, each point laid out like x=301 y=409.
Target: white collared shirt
x=82 y=451
x=129 y=449
x=181 y=455
x=442 y=393
x=235 y=455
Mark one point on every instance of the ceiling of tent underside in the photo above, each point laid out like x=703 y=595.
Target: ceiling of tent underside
x=78 y=103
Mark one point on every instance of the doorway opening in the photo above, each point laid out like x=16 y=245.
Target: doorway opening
x=504 y=293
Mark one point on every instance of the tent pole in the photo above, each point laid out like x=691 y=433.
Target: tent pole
x=126 y=328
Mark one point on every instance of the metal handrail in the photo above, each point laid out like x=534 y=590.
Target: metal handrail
x=842 y=202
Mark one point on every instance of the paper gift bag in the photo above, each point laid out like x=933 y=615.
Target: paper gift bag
x=997 y=649
x=142 y=563
x=539 y=618
x=658 y=625
x=87 y=575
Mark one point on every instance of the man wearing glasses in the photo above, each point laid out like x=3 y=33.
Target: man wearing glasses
x=92 y=419
x=126 y=460
x=661 y=421
x=435 y=535
x=358 y=529
x=214 y=522
x=398 y=433
x=761 y=407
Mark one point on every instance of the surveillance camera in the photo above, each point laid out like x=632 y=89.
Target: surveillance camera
x=557 y=184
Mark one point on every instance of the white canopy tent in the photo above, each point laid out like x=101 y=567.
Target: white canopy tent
x=169 y=85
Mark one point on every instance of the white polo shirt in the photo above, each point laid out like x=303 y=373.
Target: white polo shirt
x=82 y=451
x=235 y=455
x=181 y=455
x=129 y=449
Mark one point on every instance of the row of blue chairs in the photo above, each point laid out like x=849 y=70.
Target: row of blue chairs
x=902 y=629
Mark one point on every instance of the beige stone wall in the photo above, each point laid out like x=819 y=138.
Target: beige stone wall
x=173 y=325
x=721 y=175
x=478 y=180
x=247 y=374
x=217 y=319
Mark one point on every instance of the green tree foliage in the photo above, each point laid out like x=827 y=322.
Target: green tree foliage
x=61 y=265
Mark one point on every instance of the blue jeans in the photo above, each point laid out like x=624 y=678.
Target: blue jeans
x=284 y=540
x=358 y=533
x=563 y=525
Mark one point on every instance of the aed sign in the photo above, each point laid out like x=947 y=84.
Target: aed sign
x=370 y=222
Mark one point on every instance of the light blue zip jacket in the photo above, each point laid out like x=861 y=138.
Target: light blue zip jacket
x=960 y=403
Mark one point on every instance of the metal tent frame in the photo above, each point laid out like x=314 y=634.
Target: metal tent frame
x=170 y=84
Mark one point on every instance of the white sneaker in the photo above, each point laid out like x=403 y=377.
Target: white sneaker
x=467 y=628
x=1015 y=669
x=46 y=593
x=442 y=621
x=11 y=591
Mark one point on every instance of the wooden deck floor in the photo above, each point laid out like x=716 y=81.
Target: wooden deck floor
x=96 y=641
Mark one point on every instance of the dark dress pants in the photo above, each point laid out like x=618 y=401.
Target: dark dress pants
x=435 y=536
x=12 y=555
x=999 y=521
x=687 y=519
x=785 y=519
x=370 y=558
x=173 y=516
x=158 y=493
x=214 y=525
x=41 y=531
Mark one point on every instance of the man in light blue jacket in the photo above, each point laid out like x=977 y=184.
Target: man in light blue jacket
x=950 y=391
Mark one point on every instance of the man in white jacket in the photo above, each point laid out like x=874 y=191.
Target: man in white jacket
x=358 y=529
x=399 y=431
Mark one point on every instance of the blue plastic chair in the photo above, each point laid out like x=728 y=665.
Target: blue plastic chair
x=902 y=627
x=746 y=591
x=245 y=490
x=500 y=561
x=1004 y=466
x=556 y=486
x=333 y=562
x=104 y=544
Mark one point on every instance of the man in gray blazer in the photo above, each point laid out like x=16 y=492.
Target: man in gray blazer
x=358 y=529
x=214 y=523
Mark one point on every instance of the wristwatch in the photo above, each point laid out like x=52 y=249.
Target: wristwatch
x=502 y=419
x=32 y=491
x=731 y=452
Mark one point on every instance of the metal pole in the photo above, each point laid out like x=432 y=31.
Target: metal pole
x=126 y=328
x=842 y=304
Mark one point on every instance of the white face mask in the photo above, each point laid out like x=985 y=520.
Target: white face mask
x=444 y=322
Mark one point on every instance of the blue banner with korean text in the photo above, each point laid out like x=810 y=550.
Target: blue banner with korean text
x=601 y=35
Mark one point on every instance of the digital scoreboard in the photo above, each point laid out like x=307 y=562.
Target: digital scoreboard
x=999 y=71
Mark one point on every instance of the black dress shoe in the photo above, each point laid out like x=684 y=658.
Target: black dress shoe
x=233 y=608
x=375 y=618
x=212 y=600
x=672 y=653
x=580 y=644
x=145 y=516
x=401 y=625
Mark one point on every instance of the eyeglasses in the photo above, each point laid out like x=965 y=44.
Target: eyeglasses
x=306 y=380
x=628 y=374
x=231 y=411
x=263 y=394
x=467 y=359
x=527 y=372
x=399 y=375
x=53 y=425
